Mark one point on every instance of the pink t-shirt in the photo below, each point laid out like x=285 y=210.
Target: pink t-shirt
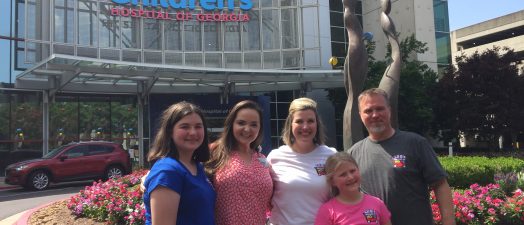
x=243 y=190
x=371 y=210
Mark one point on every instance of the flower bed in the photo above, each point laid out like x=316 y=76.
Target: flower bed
x=484 y=205
x=116 y=201
x=120 y=202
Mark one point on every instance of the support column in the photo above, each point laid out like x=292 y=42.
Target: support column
x=141 y=149
x=45 y=122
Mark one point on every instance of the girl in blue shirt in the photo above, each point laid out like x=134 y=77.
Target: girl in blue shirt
x=177 y=189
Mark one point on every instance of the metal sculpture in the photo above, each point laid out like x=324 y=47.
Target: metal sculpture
x=391 y=79
x=355 y=69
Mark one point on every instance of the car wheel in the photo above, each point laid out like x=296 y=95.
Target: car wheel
x=38 y=180
x=114 y=172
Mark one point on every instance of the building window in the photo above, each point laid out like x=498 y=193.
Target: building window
x=88 y=21
x=270 y=29
x=64 y=17
x=251 y=31
x=94 y=28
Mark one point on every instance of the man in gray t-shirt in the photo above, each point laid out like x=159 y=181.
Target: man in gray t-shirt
x=399 y=167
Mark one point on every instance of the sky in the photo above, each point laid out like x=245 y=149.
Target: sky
x=463 y=13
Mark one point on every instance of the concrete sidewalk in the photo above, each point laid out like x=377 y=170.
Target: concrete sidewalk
x=22 y=218
x=17 y=219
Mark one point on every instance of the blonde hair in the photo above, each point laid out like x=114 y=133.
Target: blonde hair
x=301 y=104
x=221 y=149
x=332 y=164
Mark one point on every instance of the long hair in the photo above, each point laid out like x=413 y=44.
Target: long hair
x=222 y=148
x=332 y=164
x=301 y=104
x=164 y=146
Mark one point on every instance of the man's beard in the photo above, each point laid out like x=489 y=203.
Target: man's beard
x=376 y=128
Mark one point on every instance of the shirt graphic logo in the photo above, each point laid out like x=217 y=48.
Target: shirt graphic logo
x=399 y=161
x=321 y=171
x=370 y=215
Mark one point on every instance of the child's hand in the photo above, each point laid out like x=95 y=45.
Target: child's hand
x=142 y=181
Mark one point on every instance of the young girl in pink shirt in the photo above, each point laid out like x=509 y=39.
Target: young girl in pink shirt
x=349 y=206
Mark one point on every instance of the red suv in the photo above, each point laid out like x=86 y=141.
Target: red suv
x=75 y=161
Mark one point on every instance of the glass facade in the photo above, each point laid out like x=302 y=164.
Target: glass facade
x=279 y=110
x=71 y=118
x=85 y=118
x=21 y=127
x=6 y=42
x=102 y=29
x=18 y=111
x=442 y=35
x=276 y=36
x=339 y=36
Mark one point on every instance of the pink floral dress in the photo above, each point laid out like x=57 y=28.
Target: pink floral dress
x=244 y=191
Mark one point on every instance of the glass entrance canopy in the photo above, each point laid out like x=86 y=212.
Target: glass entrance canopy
x=66 y=73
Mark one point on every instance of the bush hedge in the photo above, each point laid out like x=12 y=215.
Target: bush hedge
x=466 y=170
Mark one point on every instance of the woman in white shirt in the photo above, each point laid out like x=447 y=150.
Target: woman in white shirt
x=298 y=166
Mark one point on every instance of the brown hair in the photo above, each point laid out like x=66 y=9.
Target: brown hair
x=222 y=148
x=371 y=92
x=332 y=164
x=164 y=146
x=301 y=104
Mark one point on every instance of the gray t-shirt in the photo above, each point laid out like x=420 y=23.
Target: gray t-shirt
x=399 y=171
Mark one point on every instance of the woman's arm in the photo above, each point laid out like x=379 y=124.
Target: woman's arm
x=164 y=206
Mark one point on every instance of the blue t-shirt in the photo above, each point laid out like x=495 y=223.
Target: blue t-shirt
x=197 y=197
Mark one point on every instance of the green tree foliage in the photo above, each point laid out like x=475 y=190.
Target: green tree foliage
x=482 y=96
x=417 y=83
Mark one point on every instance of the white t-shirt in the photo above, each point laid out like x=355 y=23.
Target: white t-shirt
x=300 y=187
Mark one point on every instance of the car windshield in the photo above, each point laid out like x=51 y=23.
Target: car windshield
x=53 y=152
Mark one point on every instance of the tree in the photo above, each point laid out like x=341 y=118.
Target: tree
x=481 y=96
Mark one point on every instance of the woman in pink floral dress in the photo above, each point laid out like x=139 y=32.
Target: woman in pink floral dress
x=240 y=174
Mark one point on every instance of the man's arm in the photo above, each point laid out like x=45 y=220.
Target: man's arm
x=445 y=201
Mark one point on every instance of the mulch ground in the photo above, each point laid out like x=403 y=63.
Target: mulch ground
x=58 y=214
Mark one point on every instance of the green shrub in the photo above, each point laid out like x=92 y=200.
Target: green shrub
x=464 y=171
